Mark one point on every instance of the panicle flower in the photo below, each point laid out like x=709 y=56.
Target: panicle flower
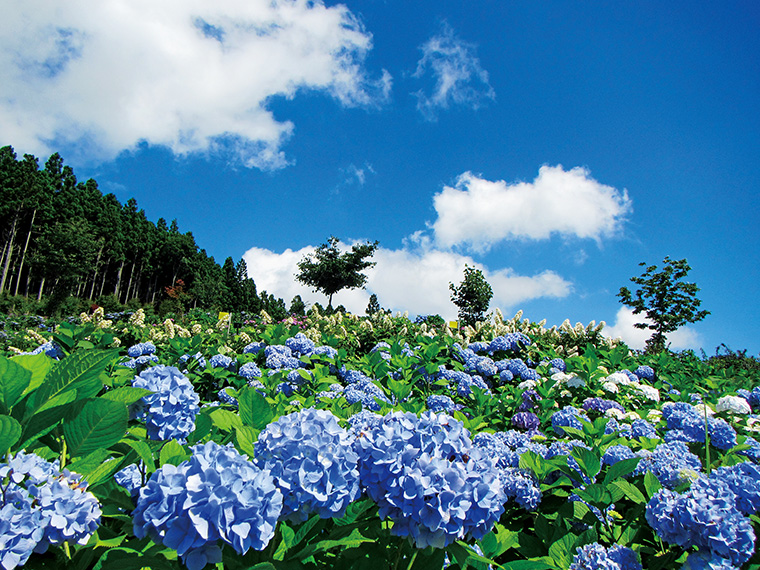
x=215 y=495
x=170 y=411
x=313 y=463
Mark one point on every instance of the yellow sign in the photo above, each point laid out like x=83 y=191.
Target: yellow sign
x=453 y=324
x=223 y=316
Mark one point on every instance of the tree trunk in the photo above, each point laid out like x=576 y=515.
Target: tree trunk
x=42 y=286
x=118 y=279
x=129 y=283
x=23 y=254
x=9 y=253
x=95 y=273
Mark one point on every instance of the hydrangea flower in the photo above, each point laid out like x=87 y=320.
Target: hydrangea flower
x=425 y=474
x=440 y=403
x=327 y=351
x=170 y=411
x=600 y=405
x=521 y=487
x=707 y=561
x=254 y=348
x=300 y=344
x=644 y=372
x=558 y=364
x=594 y=556
x=313 y=463
x=131 y=478
x=215 y=495
x=40 y=506
x=744 y=481
x=672 y=463
x=198 y=357
x=366 y=392
x=706 y=517
x=141 y=349
x=735 y=404
x=249 y=371
x=616 y=453
x=568 y=416
x=50 y=349
x=687 y=423
x=222 y=361
x=526 y=421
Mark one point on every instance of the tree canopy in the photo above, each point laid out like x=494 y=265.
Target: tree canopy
x=472 y=296
x=667 y=301
x=329 y=270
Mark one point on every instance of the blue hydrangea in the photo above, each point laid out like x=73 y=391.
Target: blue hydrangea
x=644 y=372
x=131 y=478
x=594 y=556
x=254 y=347
x=510 y=342
x=642 y=428
x=352 y=376
x=478 y=346
x=706 y=517
x=672 y=463
x=600 y=405
x=141 y=349
x=216 y=495
x=327 y=351
x=744 y=481
x=505 y=376
x=313 y=463
x=425 y=475
x=568 y=416
x=50 y=349
x=276 y=360
x=222 y=361
x=249 y=371
x=440 y=403
x=613 y=426
x=616 y=453
x=170 y=411
x=40 y=506
x=754 y=449
x=522 y=488
x=300 y=345
x=558 y=364
x=367 y=392
x=526 y=421
x=686 y=423
x=529 y=374
x=226 y=398
x=517 y=367
x=707 y=561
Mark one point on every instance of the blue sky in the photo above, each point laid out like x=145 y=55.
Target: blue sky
x=554 y=145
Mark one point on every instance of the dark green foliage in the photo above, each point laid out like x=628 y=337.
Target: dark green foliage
x=666 y=300
x=329 y=271
x=297 y=306
x=472 y=296
x=373 y=306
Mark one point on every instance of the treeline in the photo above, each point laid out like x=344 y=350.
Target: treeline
x=63 y=241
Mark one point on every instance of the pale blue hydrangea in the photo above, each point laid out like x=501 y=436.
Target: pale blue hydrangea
x=744 y=480
x=73 y=513
x=254 y=347
x=672 y=463
x=249 y=371
x=300 y=345
x=425 y=475
x=131 y=478
x=21 y=529
x=141 y=349
x=686 y=423
x=440 y=403
x=367 y=392
x=313 y=463
x=569 y=416
x=616 y=453
x=326 y=351
x=705 y=516
x=222 y=361
x=50 y=349
x=594 y=556
x=216 y=495
x=197 y=357
x=170 y=411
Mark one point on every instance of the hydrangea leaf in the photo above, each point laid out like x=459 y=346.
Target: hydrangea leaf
x=10 y=432
x=143 y=451
x=126 y=394
x=245 y=437
x=254 y=409
x=38 y=364
x=88 y=463
x=172 y=452
x=99 y=424
x=104 y=471
x=562 y=550
x=225 y=420
x=621 y=468
x=14 y=379
x=630 y=491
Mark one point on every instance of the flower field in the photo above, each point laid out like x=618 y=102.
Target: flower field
x=345 y=442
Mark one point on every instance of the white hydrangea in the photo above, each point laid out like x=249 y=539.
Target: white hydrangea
x=565 y=393
x=619 y=378
x=649 y=392
x=654 y=416
x=701 y=409
x=753 y=424
x=526 y=384
x=576 y=382
x=610 y=387
x=615 y=413
x=735 y=404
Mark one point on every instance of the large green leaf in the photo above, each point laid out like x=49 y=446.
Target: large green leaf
x=38 y=364
x=45 y=420
x=14 y=379
x=126 y=394
x=79 y=371
x=10 y=432
x=254 y=409
x=172 y=452
x=99 y=424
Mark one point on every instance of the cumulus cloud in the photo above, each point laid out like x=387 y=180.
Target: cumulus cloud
x=681 y=339
x=459 y=79
x=191 y=75
x=478 y=213
x=412 y=278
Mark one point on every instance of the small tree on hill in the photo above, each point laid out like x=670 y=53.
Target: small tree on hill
x=329 y=271
x=667 y=301
x=472 y=296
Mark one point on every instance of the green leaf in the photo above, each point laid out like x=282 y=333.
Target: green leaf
x=596 y=495
x=254 y=409
x=86 y=464
x=651 y=484
x=143 y=450
x=226 y=420
x=104 y=471
x=10 y=432
x=429 y=559
x=353 y=540
x=621 y=468
x=99 y=424
x=287 y=541
x=498 y=542
x=630 y=491
x=172 y=452
x=80 y=371
x=121 y=558
x=43 y=422
x=529 y=565
x=126 y=394
x=14 y=379
x=38 y=364
x=588 y=461
x=562 y=550
x=245 y=437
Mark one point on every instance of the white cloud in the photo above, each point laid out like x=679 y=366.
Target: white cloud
x=681 y=339
x=413 y=279
x=191 y=75
x=479 y=213
x=459 y=79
